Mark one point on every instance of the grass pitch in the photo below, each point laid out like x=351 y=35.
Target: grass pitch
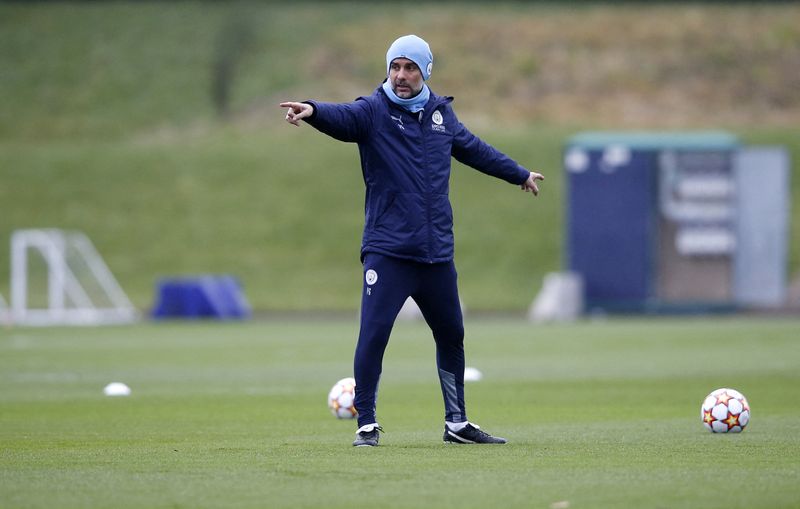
x=598 y=414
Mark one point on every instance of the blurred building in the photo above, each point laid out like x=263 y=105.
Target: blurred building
x=677 y=221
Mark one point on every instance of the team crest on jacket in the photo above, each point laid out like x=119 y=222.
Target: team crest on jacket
x=438 y=121
x=371 y=277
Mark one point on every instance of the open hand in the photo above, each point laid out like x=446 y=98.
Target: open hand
x=530 y=184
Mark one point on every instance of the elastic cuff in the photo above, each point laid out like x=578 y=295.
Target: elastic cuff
x=313 y=113
x=527 y=172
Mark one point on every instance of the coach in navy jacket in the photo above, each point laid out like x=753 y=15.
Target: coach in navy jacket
x=406 y=137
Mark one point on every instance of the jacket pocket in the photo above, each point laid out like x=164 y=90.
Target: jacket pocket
x=442 y=224
x=382 y=205
x=442 y=216
x=404 y=213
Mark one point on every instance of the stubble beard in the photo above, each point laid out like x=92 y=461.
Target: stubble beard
x=407 y=93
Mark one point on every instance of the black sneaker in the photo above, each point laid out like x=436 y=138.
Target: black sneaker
x=470 y=434
x=368 y=437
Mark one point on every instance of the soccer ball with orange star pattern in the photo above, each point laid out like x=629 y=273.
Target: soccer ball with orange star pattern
x=725 y=411
x=340 y=399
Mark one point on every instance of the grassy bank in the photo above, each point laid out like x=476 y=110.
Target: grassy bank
x=110 y=127
x=282 y=209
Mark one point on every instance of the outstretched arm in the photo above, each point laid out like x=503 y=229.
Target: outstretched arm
x=297 y=112
x=349 y=122
x=530 y=184
x=472 y=151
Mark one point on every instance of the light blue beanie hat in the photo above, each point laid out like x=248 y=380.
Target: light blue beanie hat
x=413 y=48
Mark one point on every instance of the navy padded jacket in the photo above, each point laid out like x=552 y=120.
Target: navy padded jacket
x=405 y=161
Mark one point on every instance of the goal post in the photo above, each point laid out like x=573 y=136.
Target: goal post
x=81 y=290
x=5 y=314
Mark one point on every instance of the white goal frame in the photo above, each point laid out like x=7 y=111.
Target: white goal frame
x=5 y=314
x=68 y=302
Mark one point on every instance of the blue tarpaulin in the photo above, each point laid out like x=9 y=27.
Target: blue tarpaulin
x=208 y=296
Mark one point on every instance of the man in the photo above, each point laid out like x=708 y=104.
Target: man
x=406 y=137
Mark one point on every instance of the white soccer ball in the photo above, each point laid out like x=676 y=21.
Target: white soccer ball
x=725 y=411
x=340 y=399
x=117 y=389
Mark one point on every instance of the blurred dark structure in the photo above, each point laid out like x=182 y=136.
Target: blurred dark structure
x=233 y=41
x=677 y=221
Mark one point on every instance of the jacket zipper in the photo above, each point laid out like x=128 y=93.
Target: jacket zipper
x=426 y=169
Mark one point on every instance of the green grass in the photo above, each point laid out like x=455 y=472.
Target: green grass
x=108 y=127
x=599 y=414
x=282 y=209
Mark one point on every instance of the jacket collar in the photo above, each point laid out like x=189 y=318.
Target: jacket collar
x=434 y=102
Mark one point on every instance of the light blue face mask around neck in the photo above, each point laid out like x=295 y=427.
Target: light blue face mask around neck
x=412 y=104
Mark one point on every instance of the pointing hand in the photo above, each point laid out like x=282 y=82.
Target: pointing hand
x=297 y=112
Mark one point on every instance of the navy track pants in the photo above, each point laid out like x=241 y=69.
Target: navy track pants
x=388 y=282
